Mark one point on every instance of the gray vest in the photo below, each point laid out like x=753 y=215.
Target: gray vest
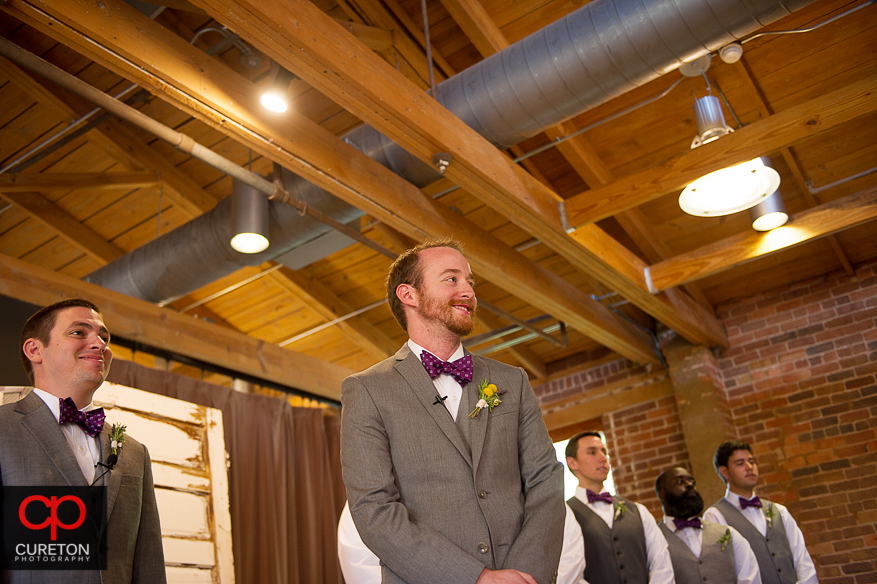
x=714 y=566
x=775 y=560
x=616 y=556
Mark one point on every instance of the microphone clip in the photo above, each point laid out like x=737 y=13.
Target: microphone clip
x=439 y=399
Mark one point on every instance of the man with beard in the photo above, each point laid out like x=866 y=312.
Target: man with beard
x=702 y=551
x=771 y=530
x=623 y=544
x=450 y=473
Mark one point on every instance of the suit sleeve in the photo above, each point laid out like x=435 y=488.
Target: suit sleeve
x=148 y=566
x=413 y=551
x=537 y=548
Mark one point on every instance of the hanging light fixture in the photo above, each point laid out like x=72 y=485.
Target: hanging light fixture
x=770 y=213
x=710 y=121
x=729 y=190
x=276 y=96
x=249 y=218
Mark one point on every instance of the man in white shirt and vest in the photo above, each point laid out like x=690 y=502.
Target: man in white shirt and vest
x=772 y=533
x=623 y=544
x=701 y=551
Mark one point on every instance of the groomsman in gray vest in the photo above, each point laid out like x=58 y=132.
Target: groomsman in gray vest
x=771 y=531
x=702 y=551
x=623 y=544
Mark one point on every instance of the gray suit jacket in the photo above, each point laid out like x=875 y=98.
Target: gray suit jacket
x=432 y=509
x=34 y=452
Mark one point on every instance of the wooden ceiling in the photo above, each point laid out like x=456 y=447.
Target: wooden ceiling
x=805 y=100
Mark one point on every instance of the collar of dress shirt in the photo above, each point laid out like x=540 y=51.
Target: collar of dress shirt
x=52 y=401
x=734 y=499
x=417 y=349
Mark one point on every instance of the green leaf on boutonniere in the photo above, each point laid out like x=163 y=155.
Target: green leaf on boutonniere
x=725 y=539
x=619 y=511
x=769 y=514
x=117 y=437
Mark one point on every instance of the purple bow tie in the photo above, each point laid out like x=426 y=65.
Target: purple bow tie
x=91 y=422
x=461 y=369
x=683 y=523
x=592 y=496
x=753 y=502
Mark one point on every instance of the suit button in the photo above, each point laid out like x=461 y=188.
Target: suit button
x=482 y=548
x=482 y=494
x=615 y=538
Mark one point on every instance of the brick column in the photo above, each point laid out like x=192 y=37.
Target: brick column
x=703 y=409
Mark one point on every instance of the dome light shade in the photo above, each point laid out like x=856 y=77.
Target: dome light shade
x=729 y=190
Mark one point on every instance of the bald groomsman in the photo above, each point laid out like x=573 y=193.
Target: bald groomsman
x=702 y=551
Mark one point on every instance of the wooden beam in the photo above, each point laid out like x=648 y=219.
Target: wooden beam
x=760 y=138
x=325 y=303
x=476 y=24
x=65 y=225
x=216 y=95
x=527 y=358
x=738 y=249
x=377 y=39
x=69 y=181
x=594 y=404
x=142 y=321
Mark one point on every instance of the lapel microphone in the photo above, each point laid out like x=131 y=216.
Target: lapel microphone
x=439 y=399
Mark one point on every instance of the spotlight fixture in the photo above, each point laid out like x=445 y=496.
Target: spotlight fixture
x=729 y=190
x=249 y=218
x=276 y=96
x=710 y=121
x=770 y=213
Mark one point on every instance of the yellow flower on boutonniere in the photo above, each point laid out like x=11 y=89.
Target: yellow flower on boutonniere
x=769 y=514
x=117 y=437
x=619 y=511
x=488 y=397
x=725 y=539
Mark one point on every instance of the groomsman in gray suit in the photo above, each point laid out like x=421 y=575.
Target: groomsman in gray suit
x=55 y=437
x=450 y=473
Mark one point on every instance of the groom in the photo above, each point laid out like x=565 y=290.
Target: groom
x=444 y=487
x=55 y=437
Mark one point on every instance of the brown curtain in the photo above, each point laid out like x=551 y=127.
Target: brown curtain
x=284 y=481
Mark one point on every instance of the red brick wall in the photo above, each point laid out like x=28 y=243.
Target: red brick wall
x=799 y=378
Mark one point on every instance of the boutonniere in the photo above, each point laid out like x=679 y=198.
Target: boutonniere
x=725 y=539
x=488 y=397
x=117 y=437
x=769 y=514
x=619 y=511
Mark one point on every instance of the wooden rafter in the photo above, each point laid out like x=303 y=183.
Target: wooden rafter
x=738 y=249
x=322 y=158
x=22 y=183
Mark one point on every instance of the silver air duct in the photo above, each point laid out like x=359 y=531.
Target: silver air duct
x=592 y=55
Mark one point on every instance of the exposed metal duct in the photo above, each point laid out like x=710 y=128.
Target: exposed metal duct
x=592 y=55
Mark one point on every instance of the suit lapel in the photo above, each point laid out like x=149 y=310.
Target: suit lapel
x=40 y=422
x=113 y=479
x=477 y=426
x=411 y=369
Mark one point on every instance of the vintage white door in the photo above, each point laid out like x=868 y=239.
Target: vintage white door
x=187 y=447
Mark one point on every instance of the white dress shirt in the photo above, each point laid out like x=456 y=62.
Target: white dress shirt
x=744 y=559
x=85 y=448
x=360 y=566
x=804 y=567
x=657 y=554
x=445 y=384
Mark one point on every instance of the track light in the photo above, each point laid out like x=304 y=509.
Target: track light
x=276 y=96
x=249 y=218
x=769 y=213
x=710 y=120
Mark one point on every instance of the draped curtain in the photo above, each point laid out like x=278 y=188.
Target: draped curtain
x=285 y=484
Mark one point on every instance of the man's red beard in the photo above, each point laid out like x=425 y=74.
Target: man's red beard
x=455 y=321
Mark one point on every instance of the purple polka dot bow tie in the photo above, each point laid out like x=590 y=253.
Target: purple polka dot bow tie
x=592 y=496
x=753 y=502
x=683 y=523
x=91 y=422
x=461 y=369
